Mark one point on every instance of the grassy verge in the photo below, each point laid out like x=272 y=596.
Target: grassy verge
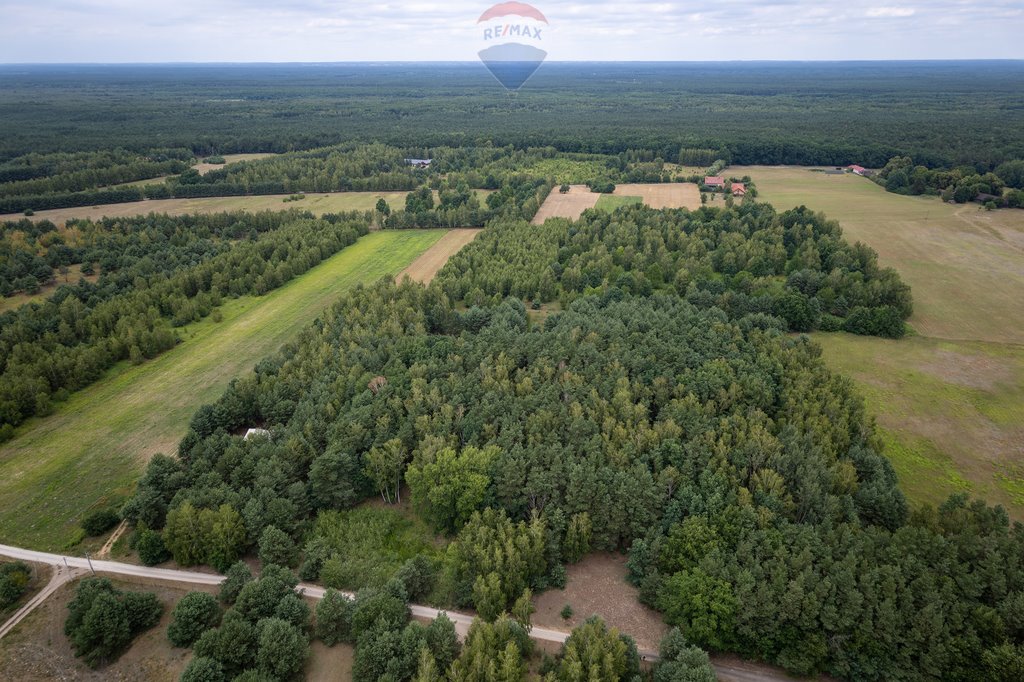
x=90 y=452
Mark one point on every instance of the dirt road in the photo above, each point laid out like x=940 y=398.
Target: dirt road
x=426 y=267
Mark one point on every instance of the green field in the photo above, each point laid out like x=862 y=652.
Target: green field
x=609 y=202
x=570 y=171
x=92 y=450
x=948 y=399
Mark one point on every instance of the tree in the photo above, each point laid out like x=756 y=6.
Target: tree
x=277 y=548
x=681 y=662
x=705 y=606
x=203 y=670
x=384 y=467
x=492 y=652
x=447 y=487
x=104 y=632
x=14 y=579
x=187 y=534
x=282 y=648
x=194 y=613
x=593 y=653
x=426 y=669
x=233 y=644
x=237 y=577
x=577 y=537
x=376 y=609
x=443 y=641
x=332 y=480
x=334 y=618
x=227 y=539
x=523 y=609
x=383 y=208
x=151 y=548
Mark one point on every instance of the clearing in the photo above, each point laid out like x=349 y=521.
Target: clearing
x=579 y=198
x=426 y=267
x=20 y=299
x=948 y=400
x=610 y=202
x=91 y=451
x=39 y=650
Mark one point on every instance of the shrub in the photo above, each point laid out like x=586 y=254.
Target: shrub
x=14 y=579
x=334 y=618
x=235 y=579
x=566 y=612
x=151 y=548
x=99 y=522
x=203 y=670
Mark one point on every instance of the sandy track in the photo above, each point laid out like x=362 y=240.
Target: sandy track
x=426 y=267
x=571 y=205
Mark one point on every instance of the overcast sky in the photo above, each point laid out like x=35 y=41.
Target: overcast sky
x=322 y=31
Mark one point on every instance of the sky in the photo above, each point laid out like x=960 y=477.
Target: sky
x=102 y=31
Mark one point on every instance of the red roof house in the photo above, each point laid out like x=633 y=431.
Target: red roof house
x=714 y=181
x=739 y=189
x=859 y=170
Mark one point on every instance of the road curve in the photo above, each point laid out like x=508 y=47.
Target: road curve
x=726 y=671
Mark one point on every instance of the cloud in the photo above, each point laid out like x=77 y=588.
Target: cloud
x=426 y=30
x=890 y=12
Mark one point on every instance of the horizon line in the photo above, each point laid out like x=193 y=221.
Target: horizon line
x=559 y=61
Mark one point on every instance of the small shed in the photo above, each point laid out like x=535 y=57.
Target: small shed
x=256 y=433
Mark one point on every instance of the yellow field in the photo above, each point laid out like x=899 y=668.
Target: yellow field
x=949 y=399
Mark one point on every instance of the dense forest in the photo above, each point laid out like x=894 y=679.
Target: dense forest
x=155 y=273
x=943 y=114
x=659 y=407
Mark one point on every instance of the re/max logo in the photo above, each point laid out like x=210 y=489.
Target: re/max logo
x=509 y=30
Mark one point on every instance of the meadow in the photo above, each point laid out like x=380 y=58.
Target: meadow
x=947 y=399
x=610 y=202
x=89 y=453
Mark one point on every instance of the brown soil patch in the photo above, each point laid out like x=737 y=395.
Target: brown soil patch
x=329 y=664
x=570 y=205
x=972 y=371
x=597 y=586
x=674 y=195
x=38 y=649
x=426 y=267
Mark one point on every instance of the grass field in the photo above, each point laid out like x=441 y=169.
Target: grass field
x=91 y=451
x=610 y=202
x=948 y=399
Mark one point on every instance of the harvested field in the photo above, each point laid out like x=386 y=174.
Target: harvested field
x=570 y=205
x=38 y=650
x=426 y=267
x=229 y=159
x=673 y=195
x=597 y=586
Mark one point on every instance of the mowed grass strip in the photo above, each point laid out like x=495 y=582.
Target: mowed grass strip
x=92 y=450
x=610 y=202
x=951 y=414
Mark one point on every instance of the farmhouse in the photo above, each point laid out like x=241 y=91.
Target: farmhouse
x=858 y=170
x=739 y=189
x=714 y=182
x=419 y=163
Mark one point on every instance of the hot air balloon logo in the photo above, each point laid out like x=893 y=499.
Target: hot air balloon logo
x=513 y=37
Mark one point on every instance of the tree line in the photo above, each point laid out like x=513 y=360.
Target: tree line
x=1002 y=187
x=51 y=349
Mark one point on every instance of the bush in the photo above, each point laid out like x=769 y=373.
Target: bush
x=14 y=579
x=29 y=212
x=566 y=612
x=195 y=613
x=151 y=548
x=99 y=522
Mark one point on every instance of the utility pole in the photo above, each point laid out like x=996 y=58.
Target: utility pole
x=87 y=558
